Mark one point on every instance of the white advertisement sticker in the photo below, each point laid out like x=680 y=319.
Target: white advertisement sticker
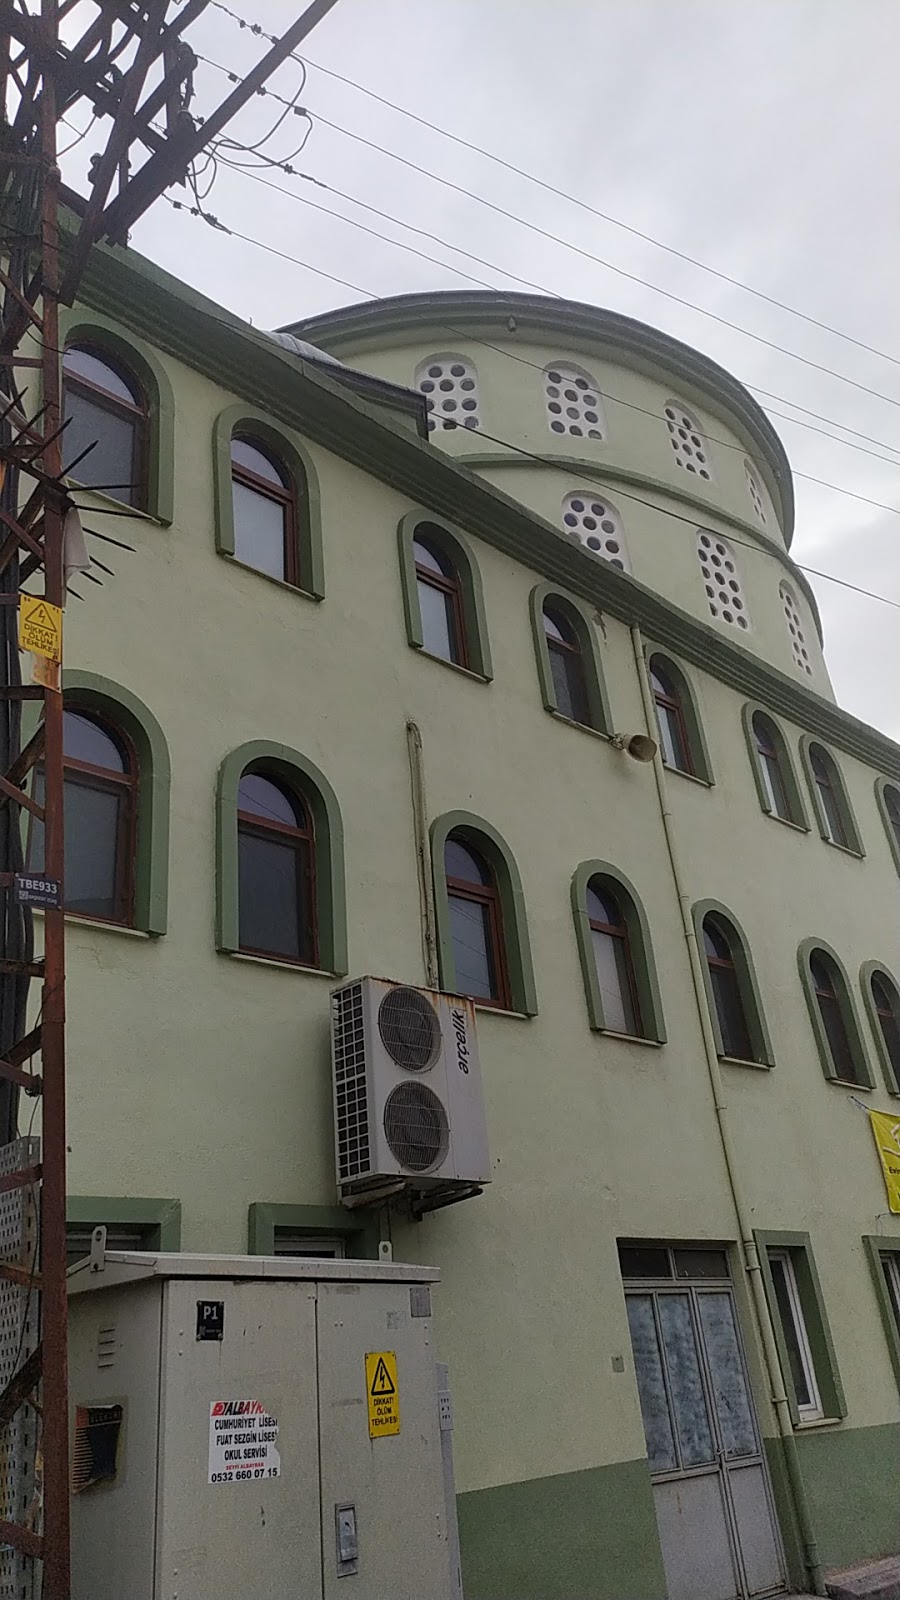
x=242 y=1439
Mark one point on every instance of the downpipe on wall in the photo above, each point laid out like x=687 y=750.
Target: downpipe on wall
x=423 y=854
x=763 y=1318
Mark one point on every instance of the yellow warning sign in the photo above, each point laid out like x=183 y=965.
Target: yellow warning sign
x=886 y=1131
x=382 y=1393
x=40 y=627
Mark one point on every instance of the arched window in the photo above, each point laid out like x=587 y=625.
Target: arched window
x=673 y=734
x=687 y=441
x=886 y=1003
x=595 y=521
x=836 y=822
x=105 y=408
x=566 y=667
x=721 y=580
x=755 y=491
x=450 y=385
x=264 y=510
x=795 y=628
x=476 y=924
x=100 y=776
x=440 y=597
x=276 y=870
x=730 y=1010
x=889 y=802
x=776 y=780
x=573 y=402
x=613 y=961
x=833 y=1016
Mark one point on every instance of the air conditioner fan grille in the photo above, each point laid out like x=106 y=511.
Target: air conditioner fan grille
x=416 y=1127
x=410 y=1029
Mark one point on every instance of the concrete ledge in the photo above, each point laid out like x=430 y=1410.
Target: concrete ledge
x=877 y=1580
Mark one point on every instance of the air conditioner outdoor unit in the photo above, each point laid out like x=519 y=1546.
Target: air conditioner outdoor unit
x=408 y=1102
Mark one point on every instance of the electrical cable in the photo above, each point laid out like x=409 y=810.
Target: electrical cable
x=588 y=255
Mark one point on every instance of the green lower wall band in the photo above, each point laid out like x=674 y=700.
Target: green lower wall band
x=576 y=1536
x=852 y=1477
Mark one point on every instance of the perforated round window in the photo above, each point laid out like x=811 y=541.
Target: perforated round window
x=416 y=1127
x=409 y=1029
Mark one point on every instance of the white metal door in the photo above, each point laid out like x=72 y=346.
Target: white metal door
x=713 y=1500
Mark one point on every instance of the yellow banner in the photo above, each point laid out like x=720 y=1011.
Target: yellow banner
x=886 y=1131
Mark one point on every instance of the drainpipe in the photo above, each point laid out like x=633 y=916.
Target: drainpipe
x=423 y=856
x=759 y=1301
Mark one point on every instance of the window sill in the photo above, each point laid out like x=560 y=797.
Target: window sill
x=812 y=1423
x=851 y=1083
x=453 y=666
x=282 y=966
x=581 y=727
x=798 y=827
x=691 y=777
x=101 y=925
x=629 y=1038
x=845 y=849
x=500 y=1011
x=267 y=577
x=103 y=500
x=738 y=1061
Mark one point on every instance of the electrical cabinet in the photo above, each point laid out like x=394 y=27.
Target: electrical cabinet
x=266 y=1429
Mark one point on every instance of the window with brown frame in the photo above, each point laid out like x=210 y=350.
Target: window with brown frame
x=566 y=667
x=892 y=811
x=264 y=504
x=100 y=818
x=107 y=425
x=827 y=784
x=731 y=1011
x=614 y=961
x=439 y=590
x=887 y=1009
x=673 y=734
x=476 y=925
x=276 y=871
x=770 y=767
x=831 y=1010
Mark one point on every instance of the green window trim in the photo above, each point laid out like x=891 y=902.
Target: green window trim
x=91 y=692
x=460 y=552
x=579 y=616
x=640 y=947
x=818 y=1332
x=130 y=1211
x=799 y=817
x=876 y=1245
x=331 y=898
x=263 y=1217
x=687 y=697
x=308 y=504
x=867 y=972
x=855 y=845
x=746 y=975
x=512 y=904
x=143 y=361
x=807 y=948
x=880 y=785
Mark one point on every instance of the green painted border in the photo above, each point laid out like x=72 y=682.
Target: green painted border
x=880 y=785
x=164 y=1215
x=848 y=1011
x=855 y=847
x=579 y=617
x=875 y=1244
x=828 y=1377
x=799 y=817
x=478 y=649
x=264 y=1216
x=329 y=831
x=94 y=692
x=512 y=904
x=195 y=331
x=687 y=695
x=746 y=975
x=76 y=328
x=639 y=941
x=866 y=972
x=306 y=485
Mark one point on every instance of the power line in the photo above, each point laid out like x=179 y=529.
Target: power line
x=588 y=255
x=584 y=470
x=562 y=194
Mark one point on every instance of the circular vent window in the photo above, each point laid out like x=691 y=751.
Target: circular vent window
x=416 y=1127
x=409 y=1029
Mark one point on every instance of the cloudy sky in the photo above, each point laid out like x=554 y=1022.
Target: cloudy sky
x=757 y=138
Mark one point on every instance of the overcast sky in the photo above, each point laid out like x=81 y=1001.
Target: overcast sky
x=758 y=136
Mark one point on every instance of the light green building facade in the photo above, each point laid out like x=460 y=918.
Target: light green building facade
x=200 y=1096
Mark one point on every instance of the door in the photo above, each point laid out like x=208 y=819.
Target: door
x=713 y=1499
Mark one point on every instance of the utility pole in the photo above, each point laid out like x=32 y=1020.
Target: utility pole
x=131 y=61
